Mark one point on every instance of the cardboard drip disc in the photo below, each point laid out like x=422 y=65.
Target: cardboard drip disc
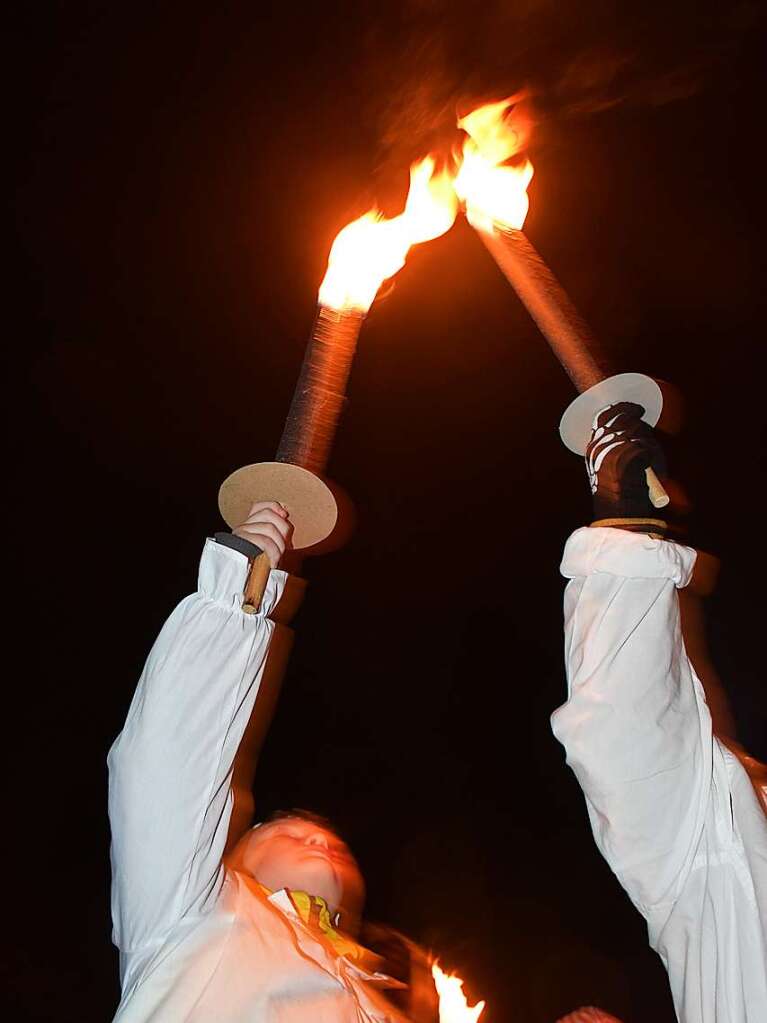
x=577 y=423
x=310 y=503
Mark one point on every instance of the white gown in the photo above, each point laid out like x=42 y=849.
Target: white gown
x=198 y=943
x=671 y=809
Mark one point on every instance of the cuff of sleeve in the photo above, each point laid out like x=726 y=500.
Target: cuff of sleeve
x=632 y=555
x=238 y=543
x=224 y=572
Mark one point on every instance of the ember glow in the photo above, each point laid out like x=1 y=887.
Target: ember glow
x=371 y=249
x=494 y=191
x=453 y=1007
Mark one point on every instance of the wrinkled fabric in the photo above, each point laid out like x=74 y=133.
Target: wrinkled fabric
x=199 y=943
x=671 y=808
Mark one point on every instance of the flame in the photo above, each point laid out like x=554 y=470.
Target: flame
x=494 y=192
x=431 y=203
x=369 y=250
x=453 y=1007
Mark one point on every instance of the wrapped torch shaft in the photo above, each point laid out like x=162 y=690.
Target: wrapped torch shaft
x=320 y=393
x=314 y=413
x=557 y=318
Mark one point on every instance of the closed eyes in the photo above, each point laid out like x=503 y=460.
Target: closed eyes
x=335 y=846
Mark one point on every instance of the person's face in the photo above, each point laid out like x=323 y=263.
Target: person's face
x=294 y=853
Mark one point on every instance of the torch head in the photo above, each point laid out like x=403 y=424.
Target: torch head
x=493 y=190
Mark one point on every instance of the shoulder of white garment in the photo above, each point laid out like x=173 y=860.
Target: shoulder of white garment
x=631 y=555
x=223 y=574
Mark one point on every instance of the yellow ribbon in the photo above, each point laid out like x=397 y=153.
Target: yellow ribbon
x=315 y=913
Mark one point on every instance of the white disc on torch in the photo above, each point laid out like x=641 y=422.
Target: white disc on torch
x=310 y=503
x=577 y=423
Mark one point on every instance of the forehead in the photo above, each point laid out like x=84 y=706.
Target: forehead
x=293 y=826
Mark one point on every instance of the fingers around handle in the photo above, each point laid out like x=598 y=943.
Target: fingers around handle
x=658 y=496
x=268 y=527
x=256 y=584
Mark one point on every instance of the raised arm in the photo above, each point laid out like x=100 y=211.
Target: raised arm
x=170 y=769
x=635 y=726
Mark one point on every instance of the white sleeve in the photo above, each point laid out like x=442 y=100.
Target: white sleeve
x=170 y=768
x=635 y=727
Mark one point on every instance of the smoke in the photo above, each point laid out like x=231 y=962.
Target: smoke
x=575 y=58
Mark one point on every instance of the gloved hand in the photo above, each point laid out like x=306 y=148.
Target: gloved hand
x=621 y=448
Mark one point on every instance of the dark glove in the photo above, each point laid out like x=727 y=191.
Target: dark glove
x=621 y=448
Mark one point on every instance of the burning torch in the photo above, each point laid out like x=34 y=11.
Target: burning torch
x=453 y=1007
x=364 y=254
x=494 y=192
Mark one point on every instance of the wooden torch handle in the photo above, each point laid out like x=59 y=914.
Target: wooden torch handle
x=658 y=496
x=256 y=584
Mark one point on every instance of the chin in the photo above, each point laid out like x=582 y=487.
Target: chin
x=318 y=879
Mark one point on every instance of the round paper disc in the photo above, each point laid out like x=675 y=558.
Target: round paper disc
x=577 y=423
x=310 y=502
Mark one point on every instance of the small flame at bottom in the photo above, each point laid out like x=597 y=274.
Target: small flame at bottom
x=453 y=1007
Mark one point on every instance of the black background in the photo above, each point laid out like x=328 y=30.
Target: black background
x=181 y=172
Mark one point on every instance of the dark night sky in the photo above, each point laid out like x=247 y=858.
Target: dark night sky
x=180 y=175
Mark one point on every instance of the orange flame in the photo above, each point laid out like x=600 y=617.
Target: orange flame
x=494 y=192
x=453 y=1007
x=371 y=249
